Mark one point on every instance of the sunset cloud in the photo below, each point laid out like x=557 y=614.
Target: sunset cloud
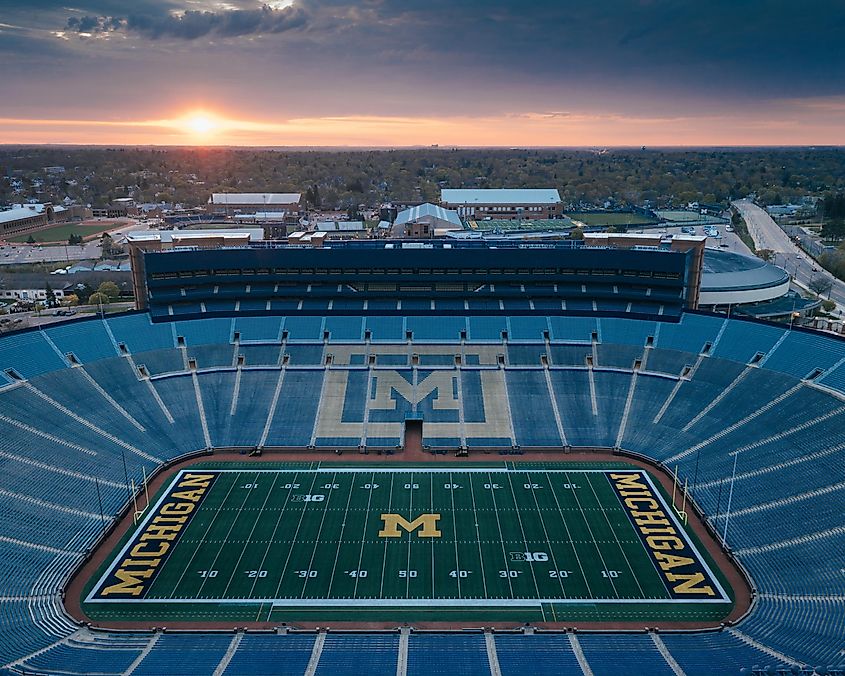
x=194 y=24
x=548 y=64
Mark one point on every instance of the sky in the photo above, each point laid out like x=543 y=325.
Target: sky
x=422 y=72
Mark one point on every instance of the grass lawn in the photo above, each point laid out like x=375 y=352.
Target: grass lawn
x=61 y=233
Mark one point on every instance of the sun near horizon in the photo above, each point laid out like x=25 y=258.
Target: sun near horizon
x=200 y=123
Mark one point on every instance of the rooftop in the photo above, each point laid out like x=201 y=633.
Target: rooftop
x=726 y=270
x=27 y=211
x=428 y=209
x=168 y=236
x=499 y=196
x=265 y=198
x=340 y=226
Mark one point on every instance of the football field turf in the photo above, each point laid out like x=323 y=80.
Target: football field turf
x=361 y=542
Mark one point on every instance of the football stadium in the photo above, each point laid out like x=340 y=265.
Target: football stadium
x=407 y=458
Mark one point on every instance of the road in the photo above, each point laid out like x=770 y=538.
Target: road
x=23 y=320
x=799 y=265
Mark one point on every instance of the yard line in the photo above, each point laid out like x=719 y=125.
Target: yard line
x=522 y=530
x=455 y=532
x=478 y=538
x=296 y=532
x=616 y=538
x=568 y=534
x=653 y=562
x=249 y=537
x=340 y=544
x=273 y=535
x=364 y=534
x=198 y=546
x=320 y=529
x=226 y=537
x=590 y=529
x=431 y=510
x=410 y=517
x=501 y=536
x=546 y=534
x=384 y=558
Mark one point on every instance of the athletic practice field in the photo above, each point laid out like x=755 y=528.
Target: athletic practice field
x=428 y=543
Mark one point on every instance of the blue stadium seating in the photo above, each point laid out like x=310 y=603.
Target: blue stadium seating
x=541 y=655
x=531 y=409
x=456 y=654
x=88 y=341
x=67 y=426
x=258 y=329
x=262 y=655
x=341 y=655
x=623 y=654
x=184 y=655
x=139 y=334
x=29 y=354
x=205 y=331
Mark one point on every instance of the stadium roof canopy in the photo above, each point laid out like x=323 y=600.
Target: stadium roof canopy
x=499 y=196
x=185 y=236
x=267 y=198
x=340 y=226
x=728 y=278
x=429 y=210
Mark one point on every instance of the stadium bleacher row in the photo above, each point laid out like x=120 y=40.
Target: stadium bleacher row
x=741 y=408
x=389 y=653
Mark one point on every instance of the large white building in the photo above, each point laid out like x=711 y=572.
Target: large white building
x=26 y=218
x=503 y=203
x=231 y=203
x=426 y=220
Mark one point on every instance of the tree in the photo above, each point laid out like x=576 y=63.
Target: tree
x=71 y=299
x=109 y=289
x=107 y=243
x=98 y=298
x=50 y=300
x=766 y=254
x=30 y=240
x=576 y=233
x=74 y=239
x=820 y=285
x=356 y=185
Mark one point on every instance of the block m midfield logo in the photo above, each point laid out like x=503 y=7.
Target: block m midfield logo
x=425 y=525
x=389 y=395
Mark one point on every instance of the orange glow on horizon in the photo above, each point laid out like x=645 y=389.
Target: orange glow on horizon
x=792 y=123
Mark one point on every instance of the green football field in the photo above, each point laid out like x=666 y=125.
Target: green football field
x=398 y=542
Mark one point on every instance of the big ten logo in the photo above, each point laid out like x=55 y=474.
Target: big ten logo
x=424 y=524
x=529 y=557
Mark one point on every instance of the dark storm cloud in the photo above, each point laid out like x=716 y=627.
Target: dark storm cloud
x=195 y=24
x=655 y=53
x=768 y=40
